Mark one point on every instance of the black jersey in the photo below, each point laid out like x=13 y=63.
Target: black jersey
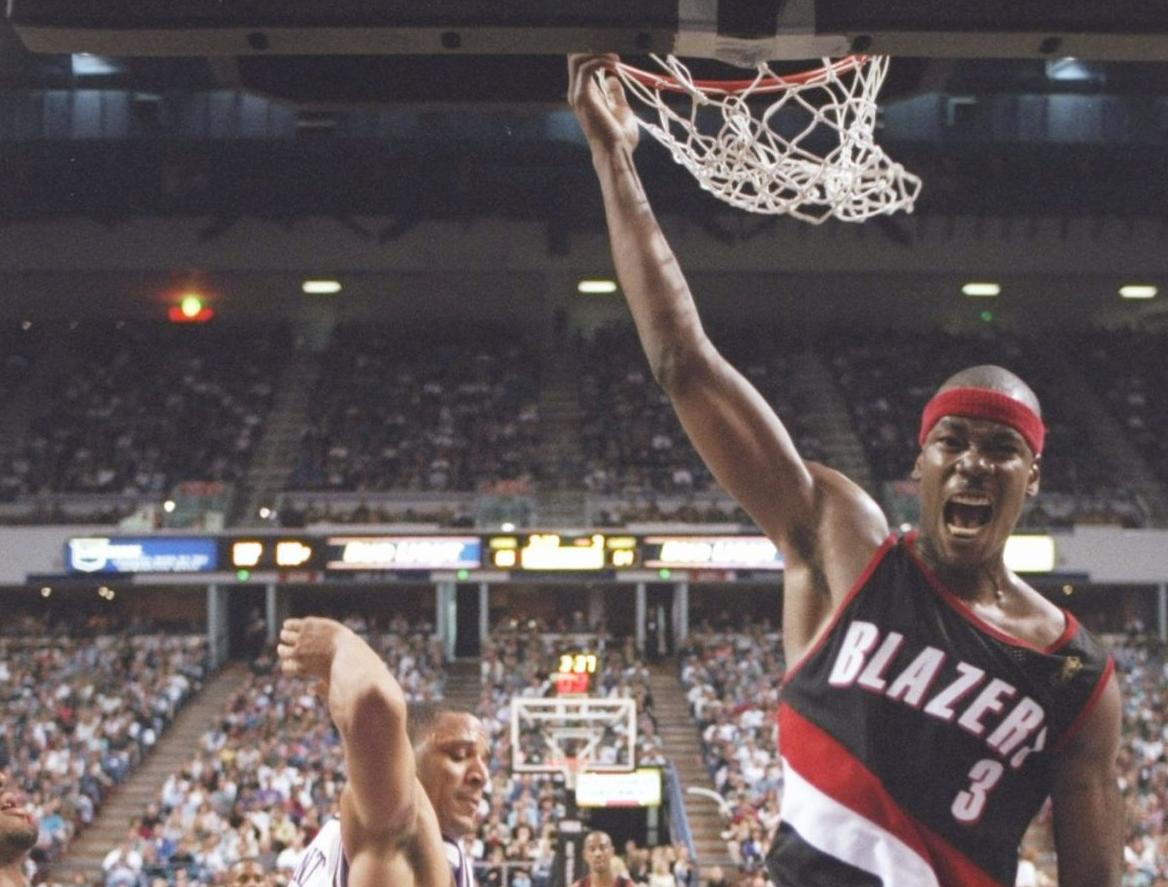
x=917 y=740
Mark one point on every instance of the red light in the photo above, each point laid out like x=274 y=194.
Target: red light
x=175 y=314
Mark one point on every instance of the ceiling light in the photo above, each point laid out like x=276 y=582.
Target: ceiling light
x=320 y=287
x=1138 y=291
x=981 y=290
x=596 y=287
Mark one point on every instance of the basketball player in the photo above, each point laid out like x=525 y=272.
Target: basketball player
x=248 y=872
x=414 y=780
x=18 y=834
x=598 y=856
x=934 y=700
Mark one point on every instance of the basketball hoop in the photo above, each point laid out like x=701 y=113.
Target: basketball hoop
x=809 y=153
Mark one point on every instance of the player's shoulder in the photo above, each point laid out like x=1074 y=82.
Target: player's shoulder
x=838 y=489
x=845 y=515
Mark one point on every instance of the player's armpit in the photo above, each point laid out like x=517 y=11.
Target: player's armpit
x=1088 y=808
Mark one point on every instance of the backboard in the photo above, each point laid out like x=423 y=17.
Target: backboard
x=569 y=735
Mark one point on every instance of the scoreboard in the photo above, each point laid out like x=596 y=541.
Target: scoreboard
x=534 y=552
x=317 y=557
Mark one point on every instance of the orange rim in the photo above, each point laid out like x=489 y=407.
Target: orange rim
x=668 y=83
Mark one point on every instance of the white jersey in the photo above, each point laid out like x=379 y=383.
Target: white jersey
x=324 y=863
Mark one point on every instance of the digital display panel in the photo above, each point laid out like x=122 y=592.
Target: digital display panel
x=138 y=554
x=404 y=553
x=711 y=553
x=640 y=788
x=271 y=553
x=554 y=552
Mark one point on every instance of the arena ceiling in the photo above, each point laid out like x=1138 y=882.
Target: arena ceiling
x=387 y=118
x=453 y=109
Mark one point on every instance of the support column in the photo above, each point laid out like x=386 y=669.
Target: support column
x=217 y=632
x=272 y=614
x=484 y=612
x=1162 y=612
x=680 y=613
x=446 y=616
x=642 y=601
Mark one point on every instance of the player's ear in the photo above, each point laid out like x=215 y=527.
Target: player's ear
x=916 y=469
x=1033 y=481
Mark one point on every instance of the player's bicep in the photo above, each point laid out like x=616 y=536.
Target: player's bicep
x=1088 y=808
x=742 y=441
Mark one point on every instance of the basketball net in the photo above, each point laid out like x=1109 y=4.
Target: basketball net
x=798 y=144
x=570 y=767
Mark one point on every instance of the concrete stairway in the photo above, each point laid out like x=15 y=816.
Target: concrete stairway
x=828 y=418
x=275 y=455
x=559 y=418
x=683 y=746
x=171 y=752
x=463 y=684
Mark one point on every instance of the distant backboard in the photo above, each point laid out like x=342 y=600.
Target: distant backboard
x=728 y=29
x=569 y=735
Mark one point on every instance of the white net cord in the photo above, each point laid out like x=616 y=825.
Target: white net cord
x=811 y=153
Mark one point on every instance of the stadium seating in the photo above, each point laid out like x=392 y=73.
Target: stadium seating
x=82 y=705
x=399 y=411
x=265 y=778
x=1129 y=370
x=887 y=376
x=134 y=408
x=732 y=684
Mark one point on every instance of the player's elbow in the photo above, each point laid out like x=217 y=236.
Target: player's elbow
x=677 y=367
x=372 y=708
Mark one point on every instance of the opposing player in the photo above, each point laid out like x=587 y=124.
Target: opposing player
x=598 y=856
x=415 y=778
x=18 y=834
x=934 y=700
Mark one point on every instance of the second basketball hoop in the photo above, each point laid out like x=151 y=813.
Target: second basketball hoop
x=794 y=144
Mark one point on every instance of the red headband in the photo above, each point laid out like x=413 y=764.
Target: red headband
x=982 y=403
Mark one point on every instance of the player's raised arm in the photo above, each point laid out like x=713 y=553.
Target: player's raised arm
x=369 y=709
x=736 y=432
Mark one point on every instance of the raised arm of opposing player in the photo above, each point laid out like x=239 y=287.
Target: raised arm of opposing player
x=369 y=710
x=736 y=432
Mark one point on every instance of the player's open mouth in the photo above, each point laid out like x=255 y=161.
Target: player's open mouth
x=966 y=514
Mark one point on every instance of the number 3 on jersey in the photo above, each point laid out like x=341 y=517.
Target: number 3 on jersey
x=969 y=803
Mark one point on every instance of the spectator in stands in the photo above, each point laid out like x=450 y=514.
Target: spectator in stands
x=18 y=834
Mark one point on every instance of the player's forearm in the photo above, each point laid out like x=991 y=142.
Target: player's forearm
x=654 y=286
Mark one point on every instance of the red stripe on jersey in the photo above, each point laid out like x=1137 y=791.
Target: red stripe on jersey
x=825 y=763
x=957 y=606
